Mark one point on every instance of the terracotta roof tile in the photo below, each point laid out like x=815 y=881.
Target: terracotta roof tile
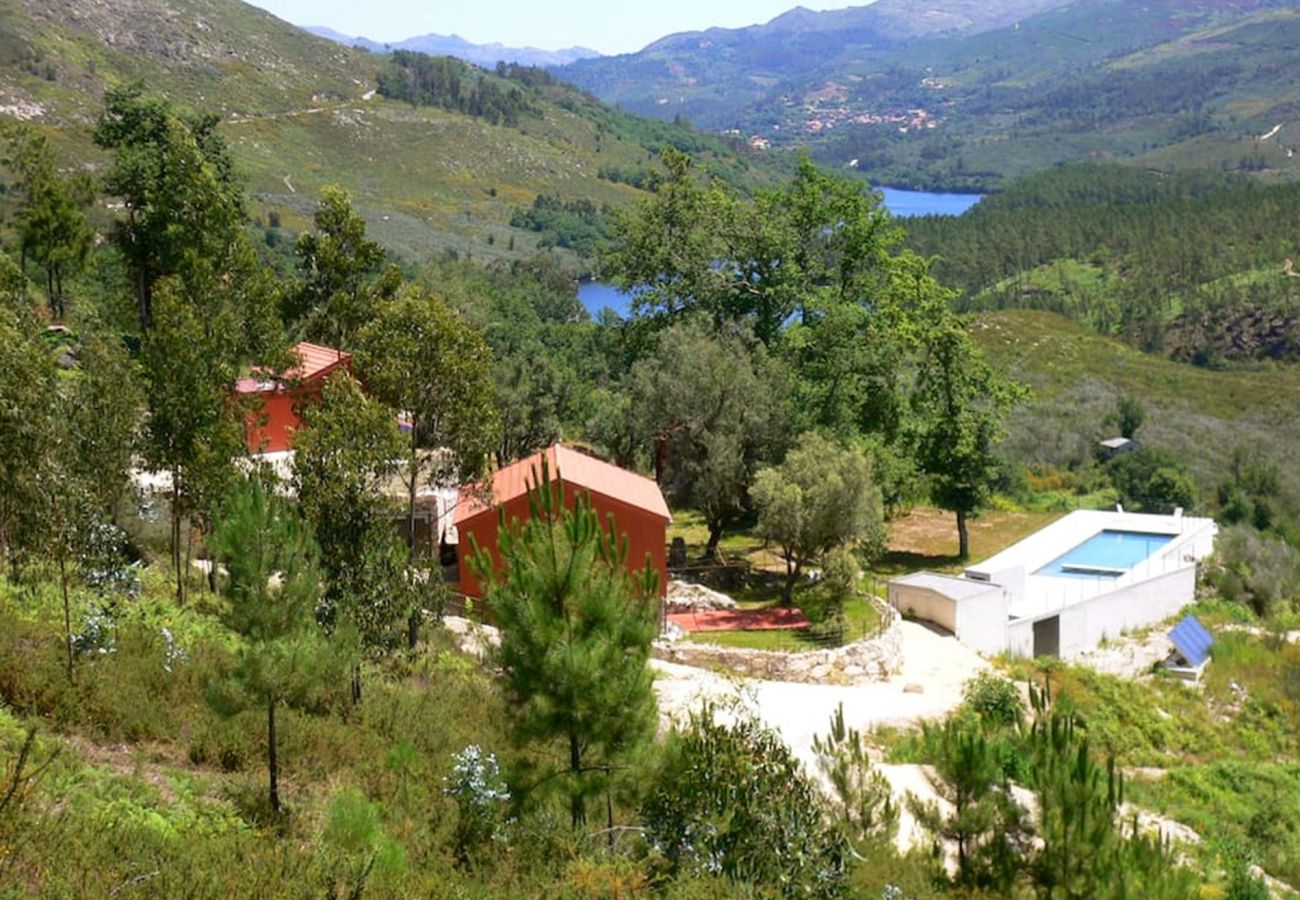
x=574 y=467
x=314 y=361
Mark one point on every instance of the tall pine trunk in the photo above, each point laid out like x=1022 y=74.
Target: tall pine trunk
x=963 y=536
x=272 y=762
x=413 y=622
x=577 y=808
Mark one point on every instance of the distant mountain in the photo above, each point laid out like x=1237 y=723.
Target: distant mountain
x=711 y=76
x=486 y=55
x=441 y=174
x=966 y=94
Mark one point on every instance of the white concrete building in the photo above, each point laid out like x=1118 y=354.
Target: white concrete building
x=1058 y=592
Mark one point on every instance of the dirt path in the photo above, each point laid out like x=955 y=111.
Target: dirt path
x=935 y=667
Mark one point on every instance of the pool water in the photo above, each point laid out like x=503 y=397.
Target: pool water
x=1107 y=554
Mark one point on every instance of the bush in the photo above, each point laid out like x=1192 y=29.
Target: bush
x=1152 y=480
x=731 y=800
x=996 y=700
x=1255 y=570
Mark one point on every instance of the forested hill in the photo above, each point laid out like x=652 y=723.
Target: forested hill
x=443 y=166
x=1199 y=265
x=1167 y=82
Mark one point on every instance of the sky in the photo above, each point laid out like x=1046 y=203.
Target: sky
x=612 y=26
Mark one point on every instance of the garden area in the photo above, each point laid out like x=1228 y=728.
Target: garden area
x=751 y=571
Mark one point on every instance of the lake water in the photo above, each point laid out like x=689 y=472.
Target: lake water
x=923 y=203
x=596 y=295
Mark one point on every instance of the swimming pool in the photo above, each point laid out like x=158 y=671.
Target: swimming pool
x=1107 y=554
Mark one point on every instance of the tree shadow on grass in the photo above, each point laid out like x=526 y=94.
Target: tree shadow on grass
x=897 y=562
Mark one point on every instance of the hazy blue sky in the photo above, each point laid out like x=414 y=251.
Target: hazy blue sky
x=613 y=26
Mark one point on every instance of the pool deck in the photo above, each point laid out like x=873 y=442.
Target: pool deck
x=1032 y=594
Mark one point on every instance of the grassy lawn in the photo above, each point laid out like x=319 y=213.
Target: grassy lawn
x=926 y=538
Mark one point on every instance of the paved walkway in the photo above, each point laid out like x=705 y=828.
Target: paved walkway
x=741 y=619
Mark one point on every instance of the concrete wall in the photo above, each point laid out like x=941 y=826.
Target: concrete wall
x=978 y=621
x=1084 y=624
x=876 y=659
x=923 y=603
x=982 y=621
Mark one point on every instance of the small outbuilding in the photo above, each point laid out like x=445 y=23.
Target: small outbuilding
x=269 y=429
x=635 y=502
x=1116 y=446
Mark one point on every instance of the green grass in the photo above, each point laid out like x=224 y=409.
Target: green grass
x=1200 y=414
x=293 y=106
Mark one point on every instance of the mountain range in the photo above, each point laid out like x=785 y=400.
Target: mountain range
x=486 y=55
x=299 y=112
x=965 y=95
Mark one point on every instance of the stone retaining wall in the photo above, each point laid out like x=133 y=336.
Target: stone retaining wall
x=875 y=659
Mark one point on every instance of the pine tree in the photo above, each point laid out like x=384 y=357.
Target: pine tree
x=272 y=586
x=576 y=627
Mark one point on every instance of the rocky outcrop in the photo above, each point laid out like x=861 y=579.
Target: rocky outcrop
x=685 y=596
x=875 y=659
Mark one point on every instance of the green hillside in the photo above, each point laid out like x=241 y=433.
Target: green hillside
x=1076 y=376
x=300 y=112
x=1163 y=84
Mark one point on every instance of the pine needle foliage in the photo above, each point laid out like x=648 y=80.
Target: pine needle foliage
x=576 y=627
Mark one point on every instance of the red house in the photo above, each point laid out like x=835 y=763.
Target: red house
x=636 y=503
x=270 y=429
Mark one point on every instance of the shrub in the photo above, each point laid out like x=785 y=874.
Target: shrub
x=732 y=800
x=996 y=700
x=1255 y=570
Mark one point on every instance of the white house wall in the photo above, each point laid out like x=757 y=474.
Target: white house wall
x=1085 y=624
x=923 y=603
x=982 y=622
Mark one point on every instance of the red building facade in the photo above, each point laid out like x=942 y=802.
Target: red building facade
x=637 y=505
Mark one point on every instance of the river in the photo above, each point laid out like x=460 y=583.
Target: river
x=596 y=295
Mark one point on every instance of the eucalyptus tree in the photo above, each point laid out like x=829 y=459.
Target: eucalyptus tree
x=343 y=274
x=422 y=358
x=344 y=460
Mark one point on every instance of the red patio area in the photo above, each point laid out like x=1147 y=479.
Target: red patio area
x=741 y=619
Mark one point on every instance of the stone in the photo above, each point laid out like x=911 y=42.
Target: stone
x=820 y=672
x=683 y=596
x=913 y=689
x=854 y=671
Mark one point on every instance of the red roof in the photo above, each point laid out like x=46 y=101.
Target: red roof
x=314 y=362
x=577 y=469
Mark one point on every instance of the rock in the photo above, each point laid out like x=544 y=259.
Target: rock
x=683 y=596
x=854 y=671
x=913 y=689
x=820 y=672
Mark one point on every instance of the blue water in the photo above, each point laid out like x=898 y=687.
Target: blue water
x=596 y=295
x=1107 y=554
x=923 y=203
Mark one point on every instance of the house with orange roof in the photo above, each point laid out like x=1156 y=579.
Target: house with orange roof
x=269 y=427
x=638 y=508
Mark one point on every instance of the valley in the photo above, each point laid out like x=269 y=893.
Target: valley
x=850 y=456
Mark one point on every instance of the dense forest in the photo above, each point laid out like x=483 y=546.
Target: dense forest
x=216 y=679
x=452 y=85
x=1195 y=265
